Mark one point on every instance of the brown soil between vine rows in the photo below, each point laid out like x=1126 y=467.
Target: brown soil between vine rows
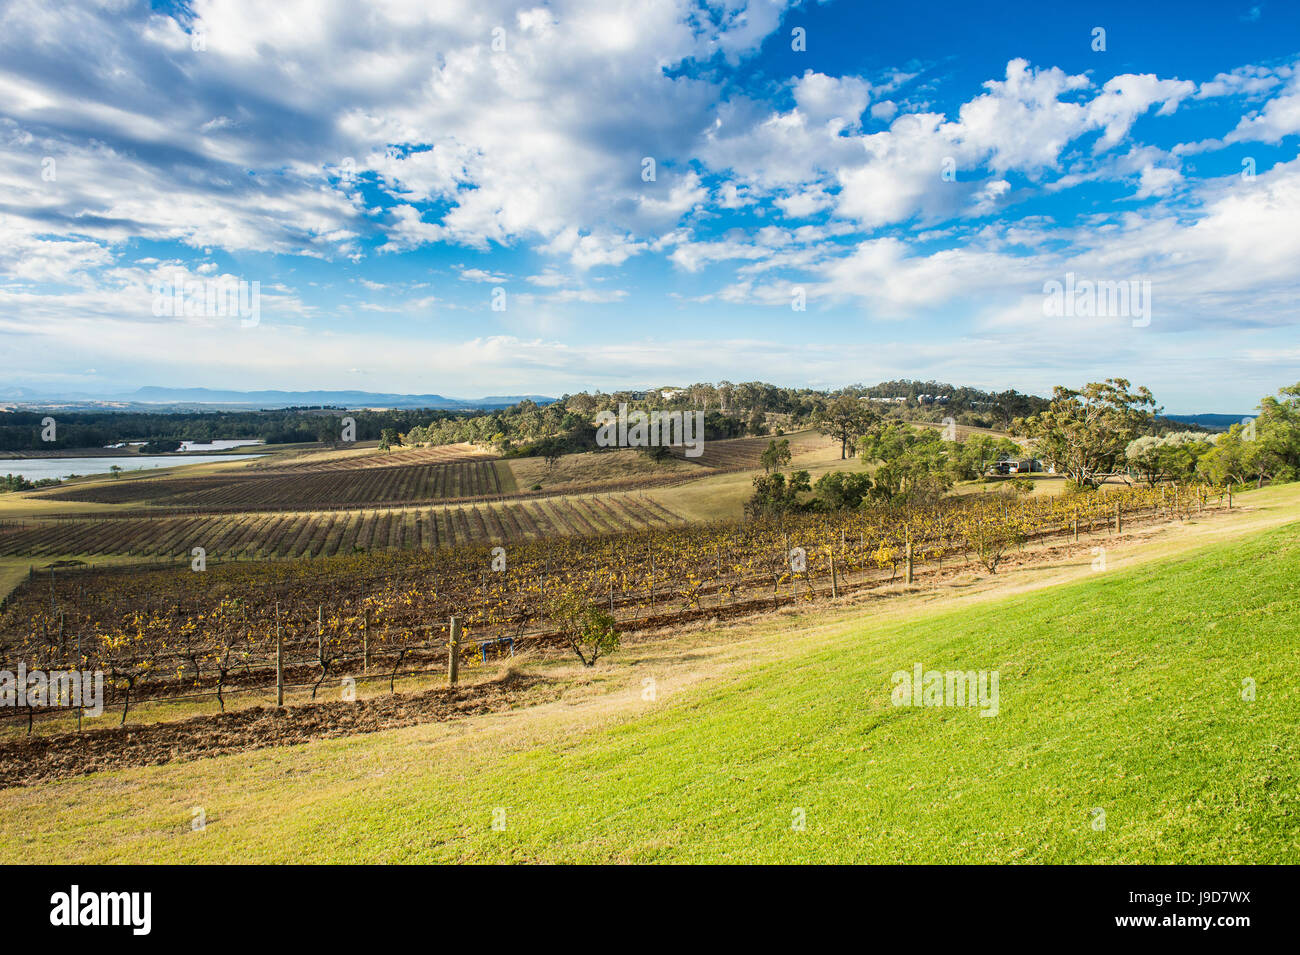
x=66 y=755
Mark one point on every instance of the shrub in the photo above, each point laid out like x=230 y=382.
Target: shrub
x=589 y=631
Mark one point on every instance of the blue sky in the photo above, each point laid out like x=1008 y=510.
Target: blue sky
x=916 y=175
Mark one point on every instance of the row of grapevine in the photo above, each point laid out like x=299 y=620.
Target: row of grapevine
x=279 y=535
x=301 y=489
x=168 y=630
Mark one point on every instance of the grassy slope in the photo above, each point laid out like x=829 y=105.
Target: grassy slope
x=591 y=467
x=723 y=496
x=1120 y=692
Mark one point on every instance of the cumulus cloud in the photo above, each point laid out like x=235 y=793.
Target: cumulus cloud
x=481 y=275
x=583 y=140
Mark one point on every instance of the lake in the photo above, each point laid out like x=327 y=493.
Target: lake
x=36 y=468
x=221 y=445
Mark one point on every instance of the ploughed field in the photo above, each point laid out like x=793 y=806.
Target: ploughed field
x=301 y=487
x=279 y=535
x=348 y=460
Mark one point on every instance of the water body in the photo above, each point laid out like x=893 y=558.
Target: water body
x=222 y=445
x=36 y=468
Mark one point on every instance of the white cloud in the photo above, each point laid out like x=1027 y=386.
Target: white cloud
x=1279 y=117
x=1232 y=264
x=588 y=251
x=1157 y=181
x=801 y=205
x=834 y=102
x=305 y=130
x=480 y=275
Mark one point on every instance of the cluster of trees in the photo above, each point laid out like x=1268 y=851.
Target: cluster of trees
x=1172 y=457
x=1263 y=449
x=1108 y=428
x=23 y=430
x=916 y=465
x=748 y=402
x=731 y=410
x=1087 y=435
x=966 y=406
x=910 y=465
x=568 y=426
x=522 y=430
x=16 y=482
x=971 y=406
x=851 y=415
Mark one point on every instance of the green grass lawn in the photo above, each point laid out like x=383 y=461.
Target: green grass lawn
x=1120 y=694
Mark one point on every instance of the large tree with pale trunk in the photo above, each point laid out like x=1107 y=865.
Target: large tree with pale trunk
x=845 y=419
x=1085 y=433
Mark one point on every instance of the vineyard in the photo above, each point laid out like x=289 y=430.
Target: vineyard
x=341 y=480
x=168 y=632
x=324 y=534
x=361 y=481
x=368 y=458
x=303 y=487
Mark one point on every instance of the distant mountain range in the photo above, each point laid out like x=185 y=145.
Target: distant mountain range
x=156 y=398
x=1215 y=422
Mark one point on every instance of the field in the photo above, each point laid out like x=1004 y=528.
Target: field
x=752 y=690
x=357 y=478
x=610 y=468
x=322 y=534
x=310 y=502
x=369 y=456
x=300 y=487
x=742 y=454
x=1122 y=736
x=171 y=631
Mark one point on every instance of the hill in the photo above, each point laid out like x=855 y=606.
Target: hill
x=1215 y=422
x=1121 y=735
x=155 y=397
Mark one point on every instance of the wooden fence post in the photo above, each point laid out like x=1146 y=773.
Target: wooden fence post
x=1076 y=526
x=365 y=643
x=1119 y=520
x=83 y=689
x=835 y=588
x=279 y=659
x=910 y=576
x=453 y=652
